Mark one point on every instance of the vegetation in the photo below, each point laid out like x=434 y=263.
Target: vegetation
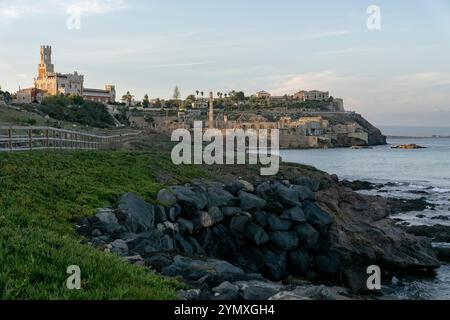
x=75 y=109
x=44 y=194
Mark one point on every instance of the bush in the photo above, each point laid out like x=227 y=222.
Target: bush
x=75 y=109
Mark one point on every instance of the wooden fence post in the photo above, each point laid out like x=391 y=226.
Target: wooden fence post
x=30 y=139
x=10 y=145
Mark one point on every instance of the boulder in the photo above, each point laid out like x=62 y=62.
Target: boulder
x=106 y=220
x=322 y=292
x=231 y=211
x=248 y=187
x=239 y=223
x=298 y=262
x=318 y=218
x=310 y=183
x=294 y=214
x=185 y=226
x=258 y=293
x=139 y=216
x=286 y=240
x=328 y=265
x=275 y=267
x=84 y=228
x=183 y=244
x=160 y=214
x=227 y=291
x=119 y=246
x=257 y=234
x=249 y=259
x=234 y=187
x=307 y=235
x=220 y=198
x=304 y=193
x=189 y=200
x=173 y=212
x=287 y=196
x=159 y=261
x=166 y=198
x=260 y=217
x=203 y=219
x=250 y=201
x=276 y=224
x=287 y=296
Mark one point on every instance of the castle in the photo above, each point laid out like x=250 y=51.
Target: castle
x=51 y=83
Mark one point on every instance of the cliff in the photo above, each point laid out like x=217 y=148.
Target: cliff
x=374 y=138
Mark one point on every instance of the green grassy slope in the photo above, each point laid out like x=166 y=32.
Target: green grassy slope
x=42 y=195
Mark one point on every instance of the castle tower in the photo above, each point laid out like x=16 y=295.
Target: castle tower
x=46 y=66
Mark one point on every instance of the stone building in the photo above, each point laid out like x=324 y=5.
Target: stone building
x=51 y=83
x=312 y=95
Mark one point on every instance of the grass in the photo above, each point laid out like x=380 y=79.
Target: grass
x=42 y=195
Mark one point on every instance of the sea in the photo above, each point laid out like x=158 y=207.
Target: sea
x=410 y=174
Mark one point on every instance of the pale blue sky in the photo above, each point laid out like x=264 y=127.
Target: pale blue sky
x=397 y=75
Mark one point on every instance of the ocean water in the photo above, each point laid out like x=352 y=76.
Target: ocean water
x=411 y=174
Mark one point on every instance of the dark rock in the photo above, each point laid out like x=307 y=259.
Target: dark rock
x=298 y=262
x=275 y=267
x=189 y=200
x=139 y=215
x=258 y=293
x=196 y=246
x=166 y=198
x=231 y=211
x=238 y=223
x=159 y=261
x=276 y=224
x=185 y=226
x=173 y=212
x=358 y=185
x=260 y=218
x=318 y=218
x=213 y=279
x=438 y=233
x=328 y=265
x=167 y=243
x=84 y=228
x=356 y=279
x=310 y=183
x=119 y=247
x=226 y=291
x=204 y=219
x=399 y=205
x=304 y=193
x=443 y=253
x=294 y=214
x=249 y=259
x=160 y=214
x=235 y=187
x=220 y=198
x=106 y=220
x=250 y=201
x=183 y=244
x=286 y=240
x=256 y=233
x=307 y=235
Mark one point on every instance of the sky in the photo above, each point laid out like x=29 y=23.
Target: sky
x=397 y=74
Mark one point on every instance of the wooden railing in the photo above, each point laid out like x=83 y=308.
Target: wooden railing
x=18 y=138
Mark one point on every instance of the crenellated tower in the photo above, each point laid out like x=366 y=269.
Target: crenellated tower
x=45 y=66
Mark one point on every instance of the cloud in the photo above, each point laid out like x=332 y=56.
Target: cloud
x=97 y=6
x=184 y=64
x=24 y=8
x=324 y=34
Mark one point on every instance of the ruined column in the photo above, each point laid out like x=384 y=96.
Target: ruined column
x=211 y=111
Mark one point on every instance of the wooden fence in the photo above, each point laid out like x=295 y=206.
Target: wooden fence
x=18 y=138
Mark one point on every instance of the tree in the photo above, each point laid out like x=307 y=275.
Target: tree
x=146 y=101
x=128 y=99
x=202 y=94
x=176 y=93
x=197 y=92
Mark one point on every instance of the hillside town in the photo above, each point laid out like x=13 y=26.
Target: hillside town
x=306 y=119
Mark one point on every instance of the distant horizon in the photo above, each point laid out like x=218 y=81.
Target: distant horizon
x=397 y=74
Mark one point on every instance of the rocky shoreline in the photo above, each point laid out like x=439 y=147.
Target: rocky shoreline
x=282 y=238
